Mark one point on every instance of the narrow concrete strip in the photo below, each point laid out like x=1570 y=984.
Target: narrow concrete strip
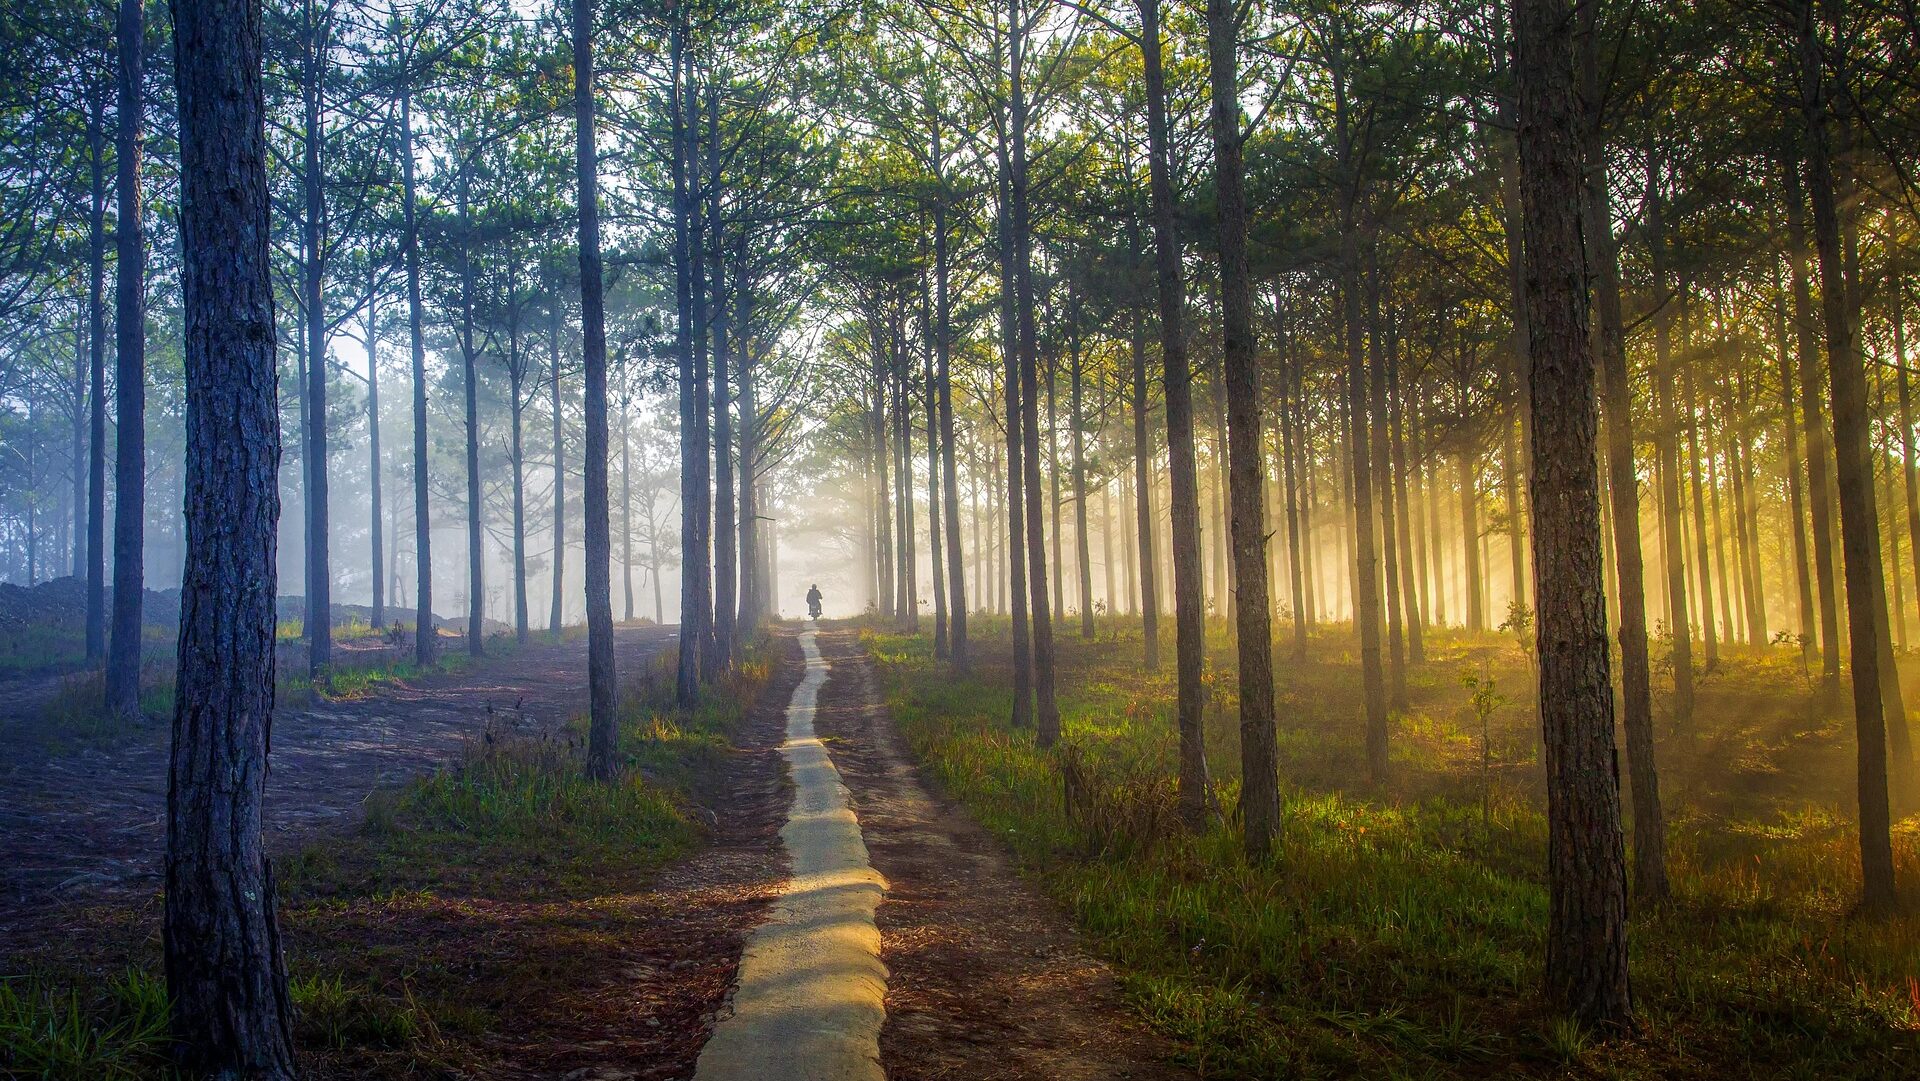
x=812 y=990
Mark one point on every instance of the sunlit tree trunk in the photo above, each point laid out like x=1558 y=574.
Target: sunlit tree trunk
x=942 y=338
x=1666 y=440
x=1609 y=348
x=1082 y=546
x=1859 y=517
x=1046 y=710
x=1791 y=466
x=1189 y=640
x=1382 y=466
x=1259 y=753
x=1586 y=864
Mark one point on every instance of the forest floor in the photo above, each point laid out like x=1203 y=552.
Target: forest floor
x=82 y=820
x=1400 y=929
x=987 y=980
x=506 y=918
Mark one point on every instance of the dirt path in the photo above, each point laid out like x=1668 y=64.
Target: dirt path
x=808 y=1006
x=987 y=981
x=84 y=824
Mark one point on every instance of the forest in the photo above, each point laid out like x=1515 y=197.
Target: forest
x=1339 y=539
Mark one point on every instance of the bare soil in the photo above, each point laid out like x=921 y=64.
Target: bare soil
x=987 y=980
x=82 y=825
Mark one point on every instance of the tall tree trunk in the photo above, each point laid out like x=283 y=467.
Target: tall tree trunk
x=1586 y=861
x=1082 y=549
x=752 y=584
x=1609 y=346
x=1143 y=455
x=943 y=322
x=1012 y=505
x=1383 y=470
x=1908 y=469
x=1259 y=751
x=130 y=376
x=602 y=690
x=1057 y=572
x=1289 y=459
x=1189 y=633
x=426 y=633
x=1470 y=541
x=1701 y=545
x=697 y=562
x=375 y=467
x=626 y=506
x=77 y=451
x=558 y=600
x=1791 y=466
x=516 y=451
x=935 y=538
x=1666 y=440
x=1046 y=709
x=1859 y=517
x=1410 y=567
x=687 y=673
x=1813 y=416
x=226 y=973
x=725 y=554
x=476 y=567
x=96 y=629
x=319 y=621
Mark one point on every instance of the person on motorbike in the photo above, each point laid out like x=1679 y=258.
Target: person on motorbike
x=813 y=602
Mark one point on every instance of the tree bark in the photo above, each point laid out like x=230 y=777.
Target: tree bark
x=1609 y=346
x=226 y=974
x=725 y=554
x=375 y=467
x=96 y=629
x=962 y=658
x=1813 y=416
x=426 y=633
x=1046 y=710
x=1189 y=632
x=1586 y=864
x=687 y=672
x=476 y=568
x=319 y=619
x=130 y=377
x=1259 y=751
x=1859 y=515
x=1666 y=438
x=602 y=690
x=1791 y=466
x=558 y=601
x=1083 y=554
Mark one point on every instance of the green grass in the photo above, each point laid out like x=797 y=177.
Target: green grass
x=118 y=1030
x=1395 y=935
x=467 y=901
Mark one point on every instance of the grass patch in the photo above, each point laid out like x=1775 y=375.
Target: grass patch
x=466 y=904
x=1399 y=935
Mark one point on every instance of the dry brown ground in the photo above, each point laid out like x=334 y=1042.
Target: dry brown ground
x=987 y=980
